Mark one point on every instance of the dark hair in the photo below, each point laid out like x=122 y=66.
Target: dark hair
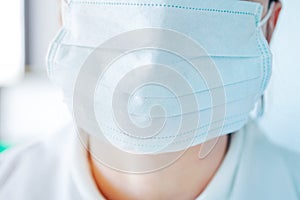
x=270 y=1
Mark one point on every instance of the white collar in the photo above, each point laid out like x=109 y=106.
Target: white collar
x=81 y=172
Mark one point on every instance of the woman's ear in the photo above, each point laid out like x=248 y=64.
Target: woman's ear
x=272 y=22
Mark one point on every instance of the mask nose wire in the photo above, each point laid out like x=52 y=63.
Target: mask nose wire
x=268 y=15
x=262 y=22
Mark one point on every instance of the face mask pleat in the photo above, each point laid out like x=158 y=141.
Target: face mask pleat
x=233 y=45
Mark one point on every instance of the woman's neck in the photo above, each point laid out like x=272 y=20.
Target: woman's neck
x=184 y=179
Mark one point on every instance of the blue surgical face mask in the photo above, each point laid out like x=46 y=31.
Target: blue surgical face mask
x=155 y=100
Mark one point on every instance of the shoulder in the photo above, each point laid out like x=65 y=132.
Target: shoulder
x=265 y=150
x=35 y=165
x=267 y=169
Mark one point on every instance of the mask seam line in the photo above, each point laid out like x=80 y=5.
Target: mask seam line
x=164 y=5
x=263 y=62
x=267 y=64
x=181 y=141
x=266 y=59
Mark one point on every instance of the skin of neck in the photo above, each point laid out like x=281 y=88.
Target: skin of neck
x=184 y=179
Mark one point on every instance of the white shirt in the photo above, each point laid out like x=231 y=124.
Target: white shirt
x=57 y=169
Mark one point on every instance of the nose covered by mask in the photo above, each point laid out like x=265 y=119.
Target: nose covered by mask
x=160 y=76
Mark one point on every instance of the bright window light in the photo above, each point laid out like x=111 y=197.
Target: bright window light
x=11 y=41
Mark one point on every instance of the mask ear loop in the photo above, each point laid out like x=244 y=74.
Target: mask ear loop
x=268 y=15
x=260 y=107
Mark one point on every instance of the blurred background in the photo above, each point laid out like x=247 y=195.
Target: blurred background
x=31 y=106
